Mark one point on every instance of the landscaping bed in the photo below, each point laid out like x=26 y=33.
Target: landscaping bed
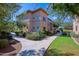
x=63 y=46
x=11 y=49
x=38 y=35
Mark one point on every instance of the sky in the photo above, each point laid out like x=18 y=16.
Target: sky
x=32 y=6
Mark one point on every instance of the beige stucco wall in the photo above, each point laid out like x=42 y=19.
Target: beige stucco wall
x=76 y=24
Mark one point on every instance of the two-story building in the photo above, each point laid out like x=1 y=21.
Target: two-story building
x=36 y=21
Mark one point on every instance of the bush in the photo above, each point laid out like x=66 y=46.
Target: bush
x=3 y=43
x=67 y=33
x=41 y=35
x=24 y=34
x=3 y=35
x=48 y=33
x=35 y=35
x=19 y=34
x=74 y=35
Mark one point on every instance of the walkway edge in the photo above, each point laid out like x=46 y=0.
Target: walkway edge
x=50 y=44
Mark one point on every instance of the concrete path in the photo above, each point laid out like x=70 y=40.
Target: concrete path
x=34 y=48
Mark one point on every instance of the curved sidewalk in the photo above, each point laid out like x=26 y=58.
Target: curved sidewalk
x=35 y=48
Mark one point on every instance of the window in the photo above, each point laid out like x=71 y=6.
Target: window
x=33 y=28
x=44 y=19
x=37 y=27
x=44 y=28
x=38 y=18
x=33 y=17
x=26 y=17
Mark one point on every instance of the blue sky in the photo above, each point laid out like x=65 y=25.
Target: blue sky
x=32 y=6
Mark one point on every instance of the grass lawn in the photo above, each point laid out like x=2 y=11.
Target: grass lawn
x=63 y=45
x=65 y=30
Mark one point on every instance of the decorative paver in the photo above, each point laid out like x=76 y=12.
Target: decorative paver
x=35 y=48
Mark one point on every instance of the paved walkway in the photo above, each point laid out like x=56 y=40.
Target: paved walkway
x=34 y=48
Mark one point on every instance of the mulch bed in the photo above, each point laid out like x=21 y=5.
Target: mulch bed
x=11 y=50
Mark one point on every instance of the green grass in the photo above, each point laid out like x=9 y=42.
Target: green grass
x=63 y=44
x=65 y=30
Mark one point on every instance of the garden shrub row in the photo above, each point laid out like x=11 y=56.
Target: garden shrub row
x=35 y=35
x=5 y=39
x=48 y=33
x=38 y=35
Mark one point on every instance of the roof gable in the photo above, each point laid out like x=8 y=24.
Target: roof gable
x=40 y=9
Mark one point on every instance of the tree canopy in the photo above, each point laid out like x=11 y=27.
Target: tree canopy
x=68 y=9
x=8 y=26
x=7 y=10
x=63 y=11
x=6 y=14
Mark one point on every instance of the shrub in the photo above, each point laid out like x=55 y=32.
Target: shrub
x=24 y=35
x=48 y=33
x=19 y=34
x=3 y=43
x=35 y=35
x=32 y=36
x=74 y=35
x=41 y=35
x=66 y=33
x=3 y=35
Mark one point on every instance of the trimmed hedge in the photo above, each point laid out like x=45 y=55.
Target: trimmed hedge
x=48 y=33
x=3 y=43
x=35 y=35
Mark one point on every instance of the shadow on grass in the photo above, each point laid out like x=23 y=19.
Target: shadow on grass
x=56 y=52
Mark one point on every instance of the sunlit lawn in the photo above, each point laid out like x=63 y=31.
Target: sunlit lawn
x=64 y=44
